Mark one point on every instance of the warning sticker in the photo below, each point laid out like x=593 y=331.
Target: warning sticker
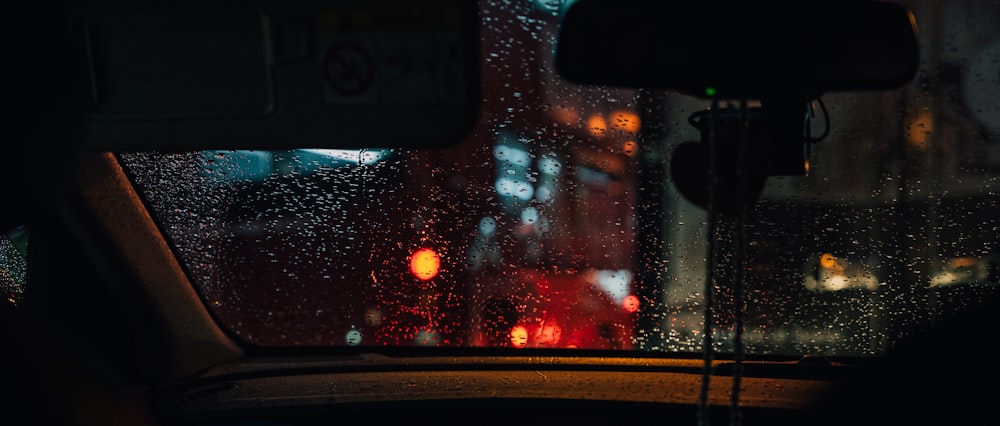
x=349 y=68
x=400 y=55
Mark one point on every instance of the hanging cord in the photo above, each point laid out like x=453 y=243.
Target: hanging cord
x=703 y=405
x=739 y=242
x=743 y=169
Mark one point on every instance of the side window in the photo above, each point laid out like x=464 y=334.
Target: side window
x=13 y=264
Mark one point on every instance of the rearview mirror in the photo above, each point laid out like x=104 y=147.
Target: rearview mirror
x=738 y=49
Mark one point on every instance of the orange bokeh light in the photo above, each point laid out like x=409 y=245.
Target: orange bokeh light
x=919 y=128
x=425 y=263
x=626 y=120
x=630 y=148
x=828 y=260
x=597 y=125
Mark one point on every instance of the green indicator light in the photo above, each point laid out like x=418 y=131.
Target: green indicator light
x=710 y=91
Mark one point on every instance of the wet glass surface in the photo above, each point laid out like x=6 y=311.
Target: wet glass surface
x=556 y=223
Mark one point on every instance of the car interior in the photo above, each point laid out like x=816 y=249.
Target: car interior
x=261 y=212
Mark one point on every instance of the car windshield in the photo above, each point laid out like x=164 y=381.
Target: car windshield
x=557 y=223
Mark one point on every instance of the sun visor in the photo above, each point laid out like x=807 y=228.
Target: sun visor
x=178 y=76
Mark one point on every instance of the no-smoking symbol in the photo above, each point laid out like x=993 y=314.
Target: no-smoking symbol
x=349 y=68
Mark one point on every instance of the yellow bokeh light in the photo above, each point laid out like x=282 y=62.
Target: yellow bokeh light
x=424 y=264
x=519 y=336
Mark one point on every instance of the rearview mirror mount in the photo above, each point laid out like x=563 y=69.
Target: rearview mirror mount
x=783 y=54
